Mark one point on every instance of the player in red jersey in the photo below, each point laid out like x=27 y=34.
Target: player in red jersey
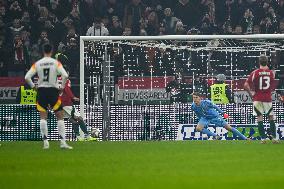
x=260 y=85
x=70 y=112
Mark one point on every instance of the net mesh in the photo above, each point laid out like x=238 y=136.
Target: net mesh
x=137 y=73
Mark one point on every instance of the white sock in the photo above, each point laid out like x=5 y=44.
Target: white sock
x=43 y=129
x=61 y=130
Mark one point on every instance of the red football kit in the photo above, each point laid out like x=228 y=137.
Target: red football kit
x=67 y=96
x=262 y=82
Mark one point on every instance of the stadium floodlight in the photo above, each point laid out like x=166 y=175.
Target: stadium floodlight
x=193 y=55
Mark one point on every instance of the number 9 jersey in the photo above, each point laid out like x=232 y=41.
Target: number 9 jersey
x=263 y=83
x=47 y=70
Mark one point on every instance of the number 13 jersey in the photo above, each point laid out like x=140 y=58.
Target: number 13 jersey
x=263 y=83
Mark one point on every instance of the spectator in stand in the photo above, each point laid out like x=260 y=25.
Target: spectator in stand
x=71 y=34
x=35 y=53
x=98 y=29
x=162 y=29
x=114 y=8
x=238 y=30
x=67 y=25
x=152 y=24
x=169 y=21
x=116 y=27
x=133 y=14
x=180 y=30
x=189 y=12
x=20 y=59
x=247 y=22
x=3 y=59
x=26 y=21
x=43 y=38
x=25 y=36
x=3 y=15
x=280 y=8
x=227 y=28
x=207 y=27
x=281 y=26
x=237 y=10
x=266 y=26
x=15 y=11
x=16 y=28
x=73 y=54
x=256 y=29
x=75 y=17
x=127 y=31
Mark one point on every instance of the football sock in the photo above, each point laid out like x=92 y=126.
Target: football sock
x=272 y=128
x=61 y=129
x=261 y=130
x=43 y=129
x=83 y=126
x=76 y=129
x=238 y=133
x=209 y=133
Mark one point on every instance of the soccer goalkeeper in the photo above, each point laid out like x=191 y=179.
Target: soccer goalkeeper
x=207 y=113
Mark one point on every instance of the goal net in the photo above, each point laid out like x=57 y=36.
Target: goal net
x=127 y=83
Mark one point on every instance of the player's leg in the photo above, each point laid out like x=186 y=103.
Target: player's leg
x=61 y=129
x=235 y=131
x=41 y=106
x=270 y=113
x=69 y=113
x=202 y=127
x=219 y=121
x=258 y=111
x=59 y=113
x=80 y=122
x=44 y=129
x=75 y=127
x=271 y=118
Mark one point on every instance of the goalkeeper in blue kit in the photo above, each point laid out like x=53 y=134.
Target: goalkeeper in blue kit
x=209 y=113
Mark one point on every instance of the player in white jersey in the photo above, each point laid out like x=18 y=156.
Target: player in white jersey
x=47 y=70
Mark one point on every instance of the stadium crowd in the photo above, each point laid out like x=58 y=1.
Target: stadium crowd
x=27 y=24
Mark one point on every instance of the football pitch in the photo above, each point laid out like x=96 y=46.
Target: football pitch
x=143 y=165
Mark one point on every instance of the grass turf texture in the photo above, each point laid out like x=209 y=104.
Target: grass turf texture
x=135 y=165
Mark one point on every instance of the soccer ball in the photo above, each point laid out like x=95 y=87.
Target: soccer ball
x=95 y=133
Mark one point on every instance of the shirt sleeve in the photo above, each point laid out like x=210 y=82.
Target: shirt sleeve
x=67 y=90
x=29 y=75
x=61 y=71
x=215 y=107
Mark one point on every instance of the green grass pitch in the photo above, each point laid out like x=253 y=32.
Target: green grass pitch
x=143 y=165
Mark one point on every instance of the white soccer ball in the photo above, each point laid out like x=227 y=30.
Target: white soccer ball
x=95 y=133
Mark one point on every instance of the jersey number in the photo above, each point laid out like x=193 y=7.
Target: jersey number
x=264 y=82
x=46 y=74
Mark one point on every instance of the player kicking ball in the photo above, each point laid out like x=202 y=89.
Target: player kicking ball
x=70 y=112
x=209 y=113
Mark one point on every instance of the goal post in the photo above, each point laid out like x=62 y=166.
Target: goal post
x=120 y=104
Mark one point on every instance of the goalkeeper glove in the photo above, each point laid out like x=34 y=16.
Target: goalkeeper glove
x=226 y=116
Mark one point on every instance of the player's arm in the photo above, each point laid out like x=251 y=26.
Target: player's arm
x=217 y=108
x=61 y=71
x=68 y=91
x=195 y=112
x=247 y=85
x=29 y=75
